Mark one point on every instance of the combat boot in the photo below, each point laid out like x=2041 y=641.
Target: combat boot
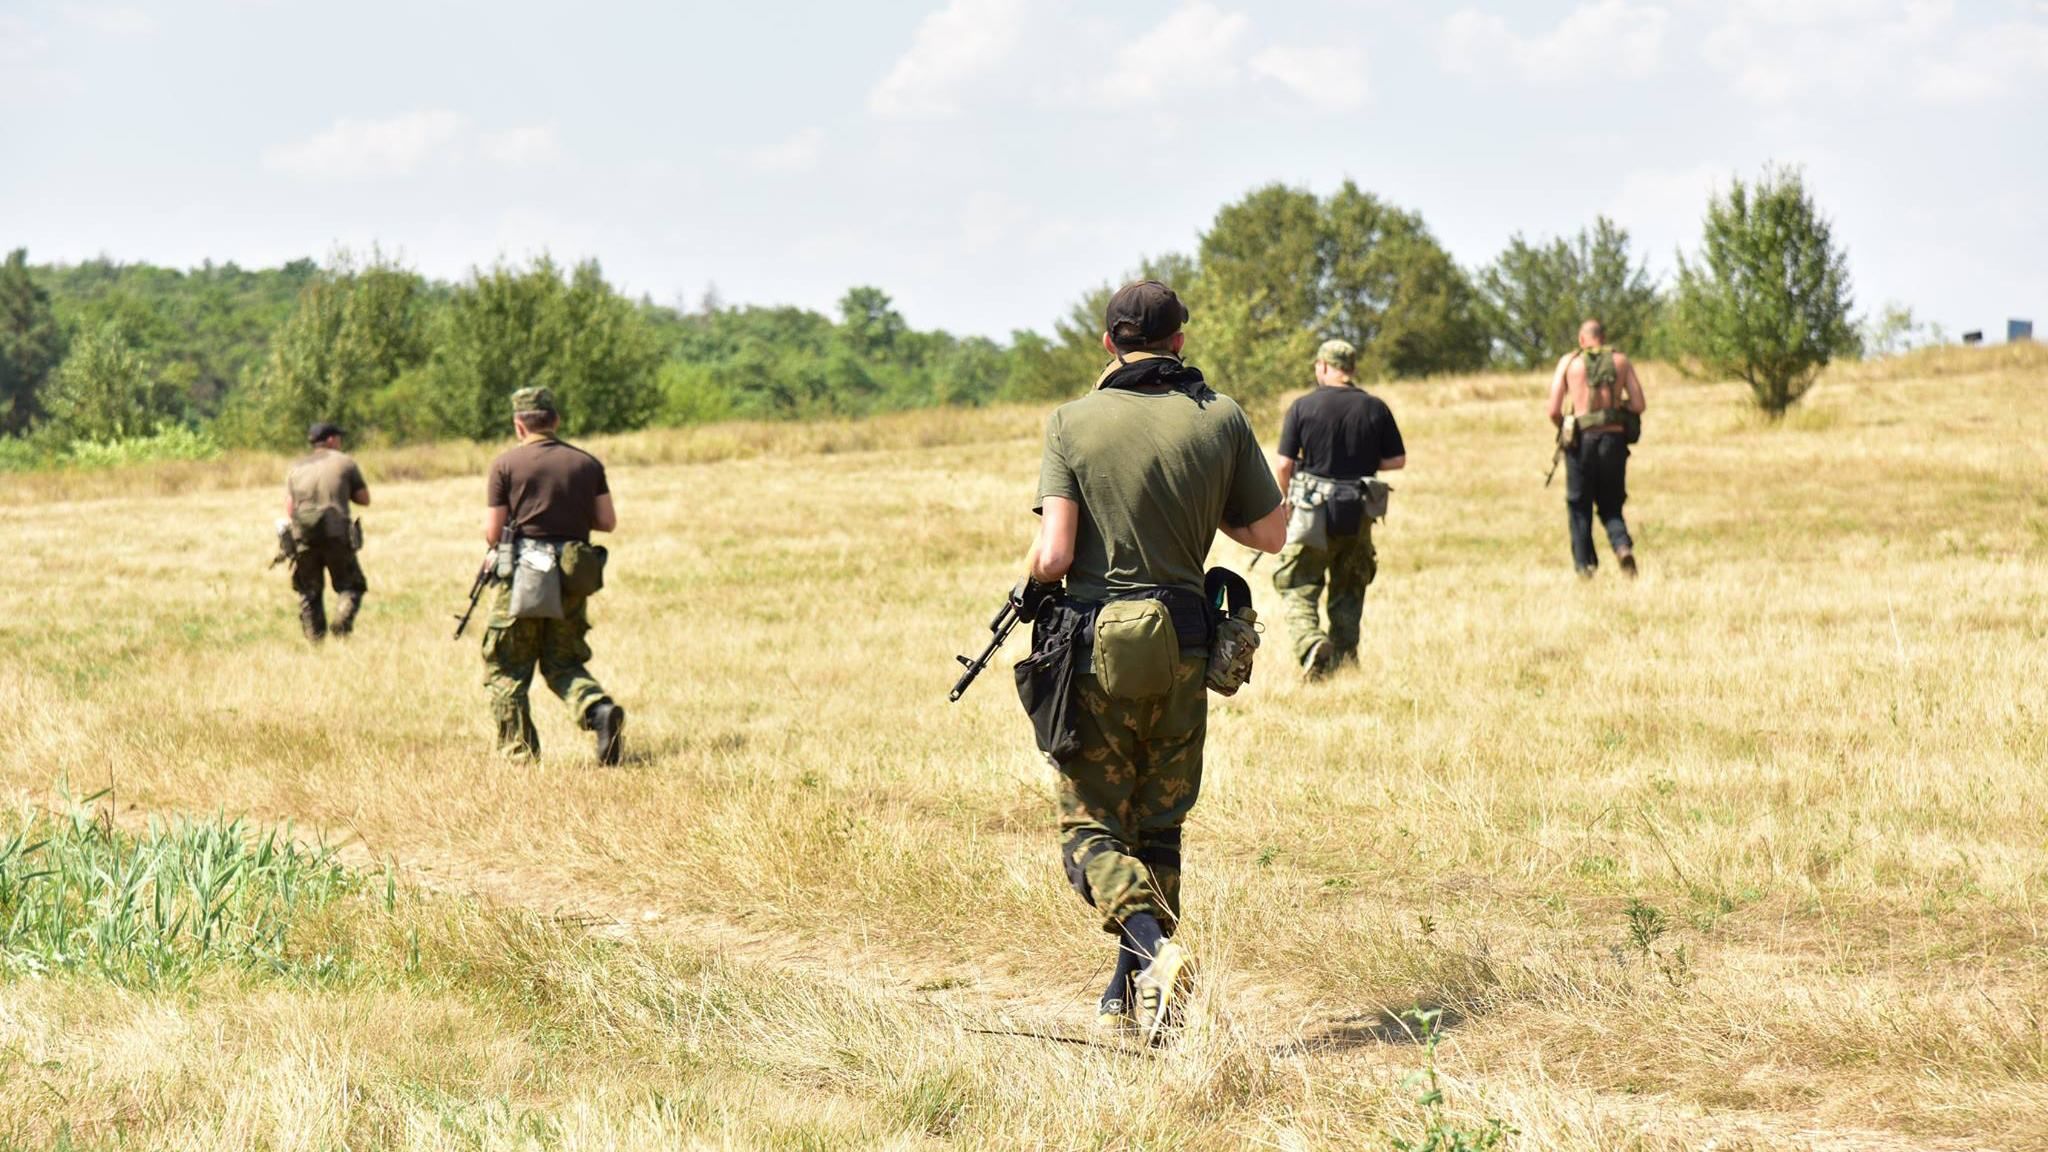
x=607 y=720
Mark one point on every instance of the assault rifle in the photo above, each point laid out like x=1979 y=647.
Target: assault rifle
x=476 y=591
x=1567 y=437
x=494 y=560
x=1005 y=619
x=1021 y=606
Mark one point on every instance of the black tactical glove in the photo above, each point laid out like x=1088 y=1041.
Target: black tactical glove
x=1030 y=598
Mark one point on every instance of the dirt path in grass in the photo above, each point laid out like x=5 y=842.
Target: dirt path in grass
x=1328 y=1044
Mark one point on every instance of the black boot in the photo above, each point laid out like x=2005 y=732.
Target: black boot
x=607 y=720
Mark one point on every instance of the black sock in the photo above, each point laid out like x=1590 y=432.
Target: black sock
x=1143 y=935
x=1127 y=966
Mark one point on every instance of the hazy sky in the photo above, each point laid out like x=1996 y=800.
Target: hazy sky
x=986 y=161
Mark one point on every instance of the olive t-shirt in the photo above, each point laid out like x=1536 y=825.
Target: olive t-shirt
x=1340 y=433
x=549 y=488
x=320 y=486
x=1155 y=473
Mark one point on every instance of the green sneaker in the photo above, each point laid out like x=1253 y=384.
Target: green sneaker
x=1161 y=992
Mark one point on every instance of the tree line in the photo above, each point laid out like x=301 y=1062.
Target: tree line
x=99 y=352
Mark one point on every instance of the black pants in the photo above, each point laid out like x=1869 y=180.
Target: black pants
x=1596 y=479
x=333 y=560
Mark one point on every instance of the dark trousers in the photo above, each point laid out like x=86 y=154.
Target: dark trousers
x=1596 y=480
x=327 y=559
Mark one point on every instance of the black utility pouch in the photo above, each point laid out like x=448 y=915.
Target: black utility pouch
x=1045 y=681
x=1347 y=511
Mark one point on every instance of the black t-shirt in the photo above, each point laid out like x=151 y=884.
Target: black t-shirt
x=1340 y=433
x=549 y=488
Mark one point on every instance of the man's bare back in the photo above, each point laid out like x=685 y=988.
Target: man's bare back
x=1571 y=381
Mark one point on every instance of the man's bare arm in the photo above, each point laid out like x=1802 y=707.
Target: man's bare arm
x=1636 y=400
x=605 y=518
x=494 y=523
x=1052 y=553
x=1557 y=383
x=361 y=496
x=1284 y=472
x=1394 y=463
x=1268 y=534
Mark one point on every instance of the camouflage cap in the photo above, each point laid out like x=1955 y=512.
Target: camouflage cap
x=1338 y=354
x=533 y=400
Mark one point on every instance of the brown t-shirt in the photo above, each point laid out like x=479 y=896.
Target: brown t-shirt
x=320 y=486
x=550 y=489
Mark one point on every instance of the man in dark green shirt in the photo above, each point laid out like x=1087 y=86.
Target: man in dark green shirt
x=1138 y=477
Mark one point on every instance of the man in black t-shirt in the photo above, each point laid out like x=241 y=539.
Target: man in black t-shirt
x=1332 y=441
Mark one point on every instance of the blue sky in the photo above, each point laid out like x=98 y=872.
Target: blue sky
x=986 y=161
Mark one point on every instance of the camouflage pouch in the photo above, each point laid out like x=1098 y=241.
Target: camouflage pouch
x=536 y=584
x=583 y=568
x=1136 y=649
x=1236 y=632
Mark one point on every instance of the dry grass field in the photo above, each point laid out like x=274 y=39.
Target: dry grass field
x=1750 y=853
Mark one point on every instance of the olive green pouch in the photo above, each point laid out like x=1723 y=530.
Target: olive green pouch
x=1135 y=649
x=582 y=568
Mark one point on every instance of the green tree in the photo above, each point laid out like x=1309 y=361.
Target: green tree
x=1282 y=271
x=512 y=328
x=869 y=322
x=1768 y=302
x=31 y=344
x=354 y=332
x=107 y=389
x=1536 y=296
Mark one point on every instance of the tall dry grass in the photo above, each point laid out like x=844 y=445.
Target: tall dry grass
x=1749 y=850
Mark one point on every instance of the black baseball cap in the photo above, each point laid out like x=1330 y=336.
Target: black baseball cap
x=321 y=431
x=1143 y=313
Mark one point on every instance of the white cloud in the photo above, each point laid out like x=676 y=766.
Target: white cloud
x=1781 y=55
x=951 y=49
x=529 y=146
x=112 y=20
x=1328 y=77
x=366 y=149
x=1197 y=46
x=800 y=153
x=1598 y=39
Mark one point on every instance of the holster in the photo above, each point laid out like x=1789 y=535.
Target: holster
x=1045 y=679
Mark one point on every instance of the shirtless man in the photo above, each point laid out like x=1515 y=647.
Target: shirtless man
x=1602 y=390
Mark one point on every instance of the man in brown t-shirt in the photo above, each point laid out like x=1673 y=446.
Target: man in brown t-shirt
x=318 y=492
x=554 y=496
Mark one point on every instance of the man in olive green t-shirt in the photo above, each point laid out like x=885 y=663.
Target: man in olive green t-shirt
x=318 y=491
x=1137 y=479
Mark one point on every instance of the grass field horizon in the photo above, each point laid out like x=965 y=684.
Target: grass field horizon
x=1750 y=851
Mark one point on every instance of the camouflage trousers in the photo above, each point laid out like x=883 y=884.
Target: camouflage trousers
x=315 y=563
x=514 y=648
x=1343 y=570
x=1124 y=796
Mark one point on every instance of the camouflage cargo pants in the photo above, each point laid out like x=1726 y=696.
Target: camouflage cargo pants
x=514 y=648
x=1125 y=795
x=1343 y=570
x=315 y=563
